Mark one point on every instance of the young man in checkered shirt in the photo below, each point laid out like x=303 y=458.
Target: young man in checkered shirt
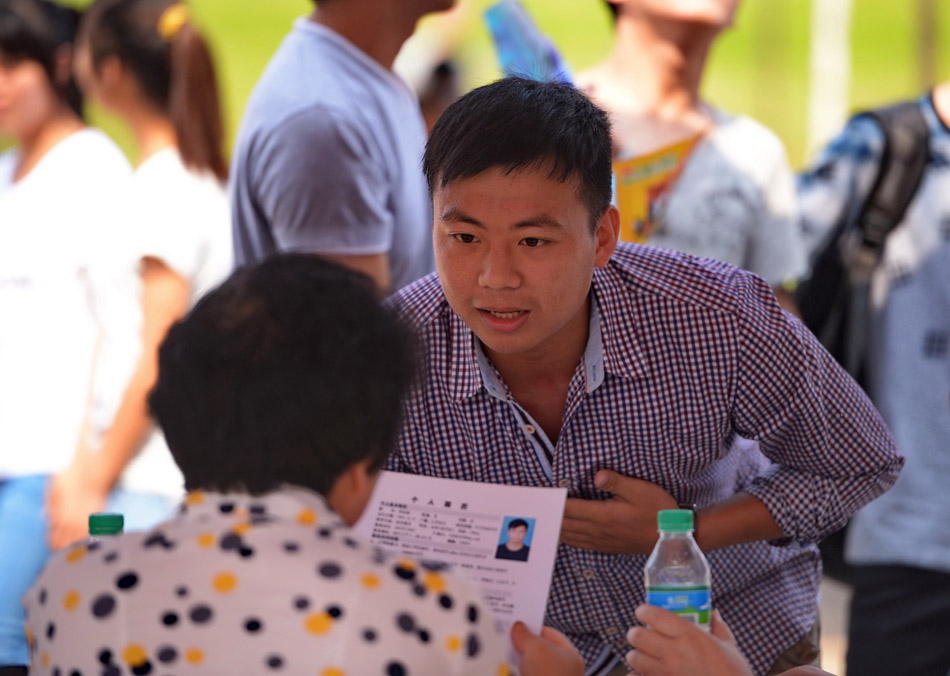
x=557 y=357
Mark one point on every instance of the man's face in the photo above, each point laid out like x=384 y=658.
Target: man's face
x=713 y=12
x=517 y=534
x=515 y=254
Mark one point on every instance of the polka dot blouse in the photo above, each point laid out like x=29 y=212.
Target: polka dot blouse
x=254 y=585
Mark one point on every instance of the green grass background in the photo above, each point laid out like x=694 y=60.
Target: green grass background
x=759 y=67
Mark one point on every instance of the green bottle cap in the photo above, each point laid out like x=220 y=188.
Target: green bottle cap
x=675 y=520
x=106 y=524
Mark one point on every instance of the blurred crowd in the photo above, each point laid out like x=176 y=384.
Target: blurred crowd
x=100 y=258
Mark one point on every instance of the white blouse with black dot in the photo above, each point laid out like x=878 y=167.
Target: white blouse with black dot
x=237 y=584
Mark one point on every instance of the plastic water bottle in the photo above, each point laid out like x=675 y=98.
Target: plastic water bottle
x=104 y=525
x=677 y=574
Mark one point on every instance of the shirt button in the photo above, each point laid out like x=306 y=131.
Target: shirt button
x=611 y=631
x=529 y=429
x=564 y=483
x=588 y=574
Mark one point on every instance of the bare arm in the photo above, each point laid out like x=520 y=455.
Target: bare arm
x=84 y=486
x=375 y=266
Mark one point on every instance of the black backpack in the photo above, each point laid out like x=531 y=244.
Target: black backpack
x=833 y=300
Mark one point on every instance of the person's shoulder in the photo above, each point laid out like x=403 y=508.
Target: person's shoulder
x=651 y=273
x=746 y=140
x=420 y=303
x=92 y=153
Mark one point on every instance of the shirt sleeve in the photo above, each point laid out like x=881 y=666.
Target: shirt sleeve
x=322 y=186
x=844 y=172
x=777 y=252
x=830 y=449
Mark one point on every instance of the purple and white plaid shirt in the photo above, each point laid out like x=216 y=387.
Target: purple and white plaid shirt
x=684 y=355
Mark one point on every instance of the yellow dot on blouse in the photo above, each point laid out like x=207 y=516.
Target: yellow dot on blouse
x=318 y=623
x=434 y=582
x=30 y=639
x=71 y=600
x=242 y=528
x=407 y=564
x=453 y=644
x=307 y=517
x=76 y=554
x=194 y=656
x=206 y=540
x=504 y=669
x=44 y=660
x=134 y=655
x=224 y=582
x=370 y=581
x=332 y=671
x=194 y=498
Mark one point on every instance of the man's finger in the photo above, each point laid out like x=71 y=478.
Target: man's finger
x=650 y=642
x=663 y=621
x=586 y=510
x=557 y=638
x=520 y=636
x=720 y=629
x=643 y=664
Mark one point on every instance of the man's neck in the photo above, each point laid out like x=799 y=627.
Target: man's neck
x=376 y=29
x=658 y=66
x=514 y=547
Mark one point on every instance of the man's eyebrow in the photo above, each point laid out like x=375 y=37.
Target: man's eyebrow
x=540 y=221
x=453 y=214
x=456 y=215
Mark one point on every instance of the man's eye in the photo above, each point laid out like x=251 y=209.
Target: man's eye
x=464 y=237
x=532 y=242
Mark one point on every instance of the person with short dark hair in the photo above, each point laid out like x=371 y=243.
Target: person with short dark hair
x=514 y=548
x=327 y=157
x=555 y=356
x=280 y=396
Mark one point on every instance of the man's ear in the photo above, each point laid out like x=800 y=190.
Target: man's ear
x=606 y=234
x=351 y=491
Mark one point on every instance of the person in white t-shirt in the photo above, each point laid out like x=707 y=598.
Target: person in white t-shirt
x=61 y=287
x=144 y=61
x=722 y=188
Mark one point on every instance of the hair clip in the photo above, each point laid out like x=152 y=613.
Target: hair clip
x=172 y=20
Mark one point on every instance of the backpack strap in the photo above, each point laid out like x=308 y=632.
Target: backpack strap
x=906 y=152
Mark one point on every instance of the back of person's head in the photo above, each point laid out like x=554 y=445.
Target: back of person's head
x=515 y=124
x=44 y=32
x=157 y=42
x=288 y=373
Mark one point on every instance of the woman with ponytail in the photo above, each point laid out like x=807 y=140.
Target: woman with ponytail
x=144 y=61
x=57 y=282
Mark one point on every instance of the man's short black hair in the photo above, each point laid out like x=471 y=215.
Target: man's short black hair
x=288 y=373
x=516 y=123
x=514 y=523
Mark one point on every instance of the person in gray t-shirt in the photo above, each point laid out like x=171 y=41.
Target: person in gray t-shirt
x=328 y=158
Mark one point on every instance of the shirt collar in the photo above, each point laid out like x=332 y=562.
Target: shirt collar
x=621 y=325
x=288 y=503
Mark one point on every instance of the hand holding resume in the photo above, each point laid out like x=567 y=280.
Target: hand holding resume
x=503 y=537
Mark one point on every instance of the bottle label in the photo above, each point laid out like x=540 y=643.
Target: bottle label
x=691 y=603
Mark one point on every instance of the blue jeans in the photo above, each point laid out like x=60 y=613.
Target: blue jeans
x=23 y=547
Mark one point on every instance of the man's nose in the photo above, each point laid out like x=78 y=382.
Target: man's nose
x=499 y=269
